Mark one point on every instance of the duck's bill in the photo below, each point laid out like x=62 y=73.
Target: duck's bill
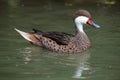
x=90 y=22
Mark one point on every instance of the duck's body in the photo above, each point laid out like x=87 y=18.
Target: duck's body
x=60 y=41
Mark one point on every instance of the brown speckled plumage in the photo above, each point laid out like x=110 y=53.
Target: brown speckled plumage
x=67 y=43
x=60 y=41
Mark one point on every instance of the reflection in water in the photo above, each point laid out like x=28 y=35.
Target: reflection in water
x=28 y=63
x=82 y=65
x=26 y=54
x=30 y=54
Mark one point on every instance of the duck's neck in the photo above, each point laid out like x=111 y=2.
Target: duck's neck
x=81 y=39
x=79 y=28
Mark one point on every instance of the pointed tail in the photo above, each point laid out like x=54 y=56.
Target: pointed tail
x=27 y=36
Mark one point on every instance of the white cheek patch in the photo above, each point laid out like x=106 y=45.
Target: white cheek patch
x=81 y=19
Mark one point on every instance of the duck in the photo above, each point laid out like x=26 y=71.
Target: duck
x=62 y=42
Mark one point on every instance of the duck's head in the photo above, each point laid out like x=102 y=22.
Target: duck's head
x=84 y=17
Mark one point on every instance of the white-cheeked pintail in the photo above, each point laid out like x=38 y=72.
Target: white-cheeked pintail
x=63 y=42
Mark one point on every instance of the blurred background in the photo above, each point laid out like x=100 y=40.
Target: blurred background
x=19 y=60
x=63 y=2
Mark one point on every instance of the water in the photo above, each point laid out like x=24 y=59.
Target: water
x=20 y=60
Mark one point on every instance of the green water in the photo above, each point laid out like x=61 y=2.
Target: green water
x=20 y=60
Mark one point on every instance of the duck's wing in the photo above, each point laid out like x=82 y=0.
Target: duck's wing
x=60 y=38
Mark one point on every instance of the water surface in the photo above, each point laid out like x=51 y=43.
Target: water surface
x=20 y=60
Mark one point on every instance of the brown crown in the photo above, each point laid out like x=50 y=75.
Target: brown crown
x=81 y=12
